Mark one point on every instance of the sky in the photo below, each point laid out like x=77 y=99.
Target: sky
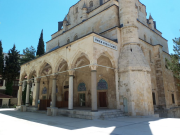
x=21 y=21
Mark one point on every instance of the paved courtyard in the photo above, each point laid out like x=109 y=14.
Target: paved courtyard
x=19 y=123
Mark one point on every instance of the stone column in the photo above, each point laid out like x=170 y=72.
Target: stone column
x=94 y=91
x=27 y=93
x=54 y=92
x=19 y=94
x=117 y=91
x=70 y=103
x=37 y=84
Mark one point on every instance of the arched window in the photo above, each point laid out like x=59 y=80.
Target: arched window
x=77 y=10
x=151 y=42
x=82 y=87
x=44 y=91
x=150 y=56
x=91 y=4
x=102 y=85
x=68 y=41
x=144 y=37
x=75 y=38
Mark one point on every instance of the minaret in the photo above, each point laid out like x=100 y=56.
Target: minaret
x=151 y=22
x=134 y=70
x=84 y=12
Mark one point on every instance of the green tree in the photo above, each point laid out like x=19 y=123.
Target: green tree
x=28 y=54
x=174 y=63
x=11 y=69
x=1 y=59
x=40 y=48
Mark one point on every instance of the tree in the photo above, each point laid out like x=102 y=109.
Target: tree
x=1 y=59
x=40 y=48
x=174 y=63
x=28 y=54
x=11 y=69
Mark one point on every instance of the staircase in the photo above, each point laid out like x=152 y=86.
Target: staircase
x=112 y=114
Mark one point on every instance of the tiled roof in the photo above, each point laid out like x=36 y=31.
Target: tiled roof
x=4 y=96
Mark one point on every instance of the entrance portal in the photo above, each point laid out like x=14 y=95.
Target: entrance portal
x=82 y=99
x=102 y=99
x=125 y=105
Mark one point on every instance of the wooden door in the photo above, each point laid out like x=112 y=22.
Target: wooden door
x=44 y=103
x=102 y=99
x=0 y=102
x=66 y=98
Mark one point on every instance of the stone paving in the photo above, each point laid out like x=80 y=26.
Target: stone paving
x=26 y=123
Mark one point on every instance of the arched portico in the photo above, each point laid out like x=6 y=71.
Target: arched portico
x=73 y=82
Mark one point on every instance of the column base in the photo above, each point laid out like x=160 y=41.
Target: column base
x=52 y=111
x=23 y=108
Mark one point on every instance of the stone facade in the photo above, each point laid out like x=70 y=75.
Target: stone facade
x=113 y=51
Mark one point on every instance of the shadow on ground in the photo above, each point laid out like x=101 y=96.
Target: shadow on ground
x=113 y=126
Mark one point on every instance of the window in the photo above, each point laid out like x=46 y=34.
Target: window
x=44 y=91
x=102 y=85
x=151 y=41
x=139 y=8
x=75 y=38
x=77 y=10
x=150 y=56
x=1 y=82
x=173 y=101
x=101 y=2
x=154 y=98
x=82 y=87
x=91 y=4
x=68 y=41
x=144 y=37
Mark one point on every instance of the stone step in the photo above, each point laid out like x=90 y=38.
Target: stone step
x=112 y=114
x=80 y=116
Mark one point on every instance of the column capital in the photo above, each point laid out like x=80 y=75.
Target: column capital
x=37 y=80
x=54 y=77
x=71 y=72
x=28 y=81
x=93 y=66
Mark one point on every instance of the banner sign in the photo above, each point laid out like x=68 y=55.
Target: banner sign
x=104 y=43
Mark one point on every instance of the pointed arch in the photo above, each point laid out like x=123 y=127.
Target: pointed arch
x=111 y=58
x=43 y=64
x=23 y=75
x=32 y=73
x=60 y=61
x=77 y=56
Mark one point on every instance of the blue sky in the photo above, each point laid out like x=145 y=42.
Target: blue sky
x=21 y=21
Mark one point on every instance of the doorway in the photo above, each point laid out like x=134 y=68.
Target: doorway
x=102 y=99
x=66 y=99
x=82 y=99
x=125 y=104
x=0 y=102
